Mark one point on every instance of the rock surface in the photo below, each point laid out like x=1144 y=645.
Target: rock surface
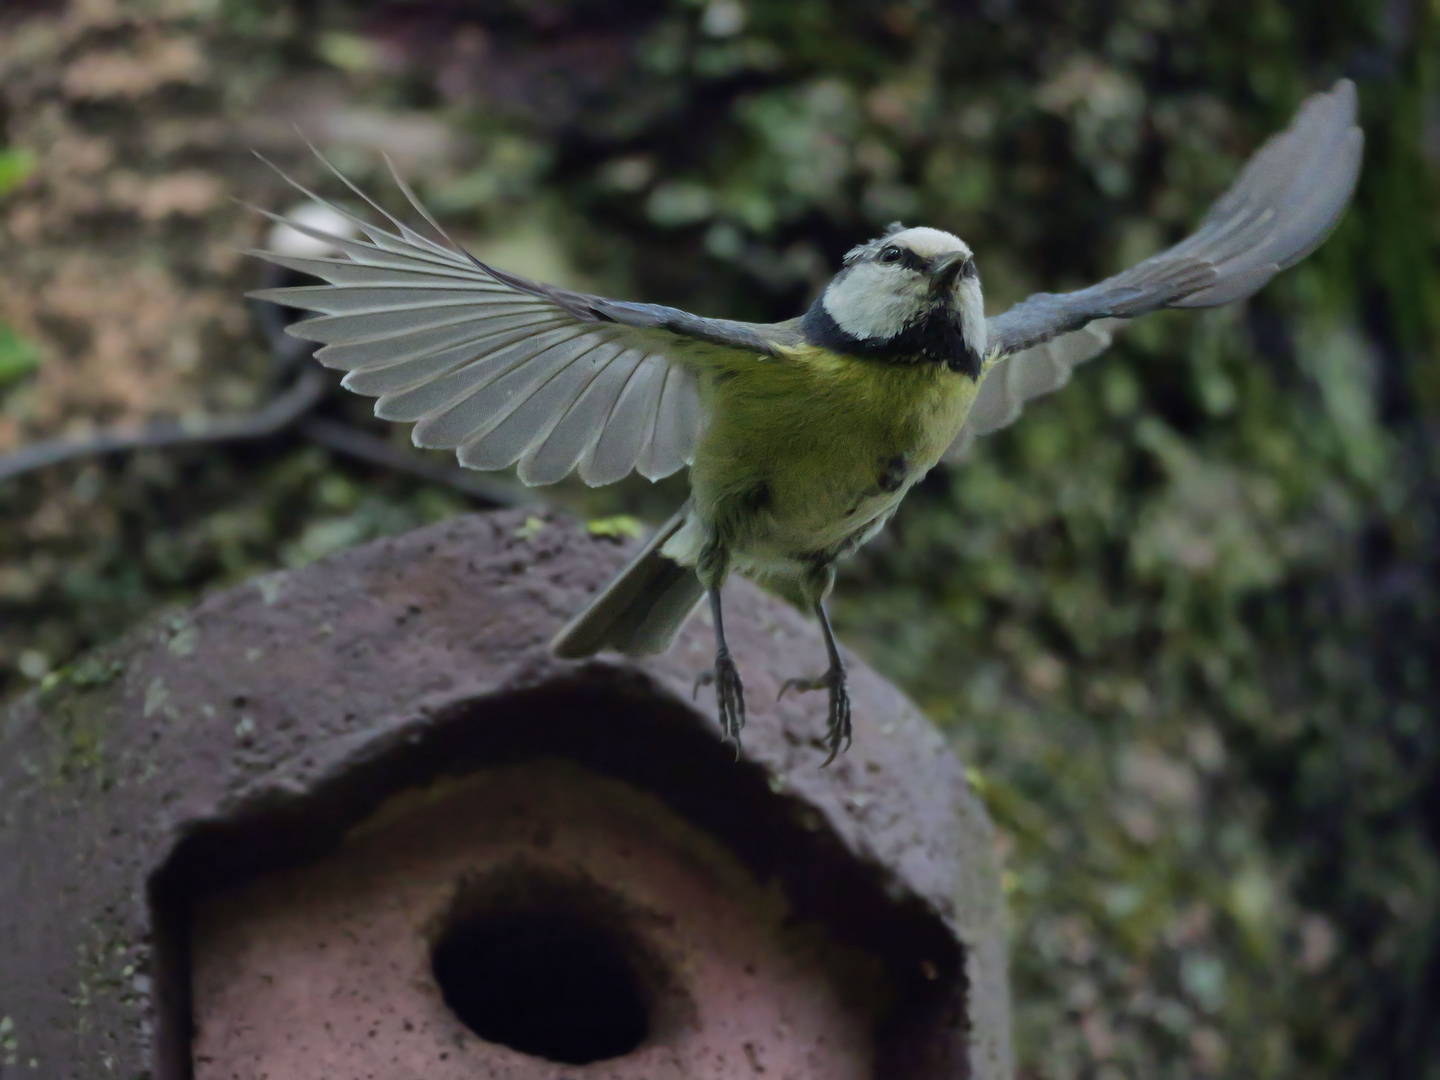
x=250 y=732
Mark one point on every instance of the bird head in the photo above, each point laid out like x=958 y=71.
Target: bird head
x=909 y=296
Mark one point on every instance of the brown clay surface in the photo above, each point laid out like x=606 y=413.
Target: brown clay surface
x=323 y=972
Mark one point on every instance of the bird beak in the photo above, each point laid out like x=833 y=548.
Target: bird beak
x=946 y=269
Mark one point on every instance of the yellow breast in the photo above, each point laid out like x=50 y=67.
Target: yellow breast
x=820 y=442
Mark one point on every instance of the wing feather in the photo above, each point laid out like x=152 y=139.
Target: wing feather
x=1283 y=204
x=1015 y=379
x=557 y=448
x=671 y=445
x=363 y=252
x=389 y=324
x=533 y=416
x=407 y=243
x=409 y=235
x=379 y=379
x=348 y=272
x=499 y=368
x=576 y=432
x=615 y=452
x=388 y=296
x=1281 y=207
x=386 y=352
x=456 y=407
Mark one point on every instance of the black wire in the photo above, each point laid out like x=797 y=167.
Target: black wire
x=278 y=414
x=288 y=410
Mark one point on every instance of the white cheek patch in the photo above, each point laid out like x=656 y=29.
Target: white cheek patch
x=875 y=302
x=972 y=314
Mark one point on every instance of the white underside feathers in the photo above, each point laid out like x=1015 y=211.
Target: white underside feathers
x=497 y=374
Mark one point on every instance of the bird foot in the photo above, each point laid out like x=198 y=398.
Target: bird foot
x=729 y=696
x=838 y=734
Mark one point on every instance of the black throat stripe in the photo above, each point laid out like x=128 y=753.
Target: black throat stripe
x=936 y=338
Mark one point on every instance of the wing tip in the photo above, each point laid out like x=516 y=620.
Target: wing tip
x=1343 y=92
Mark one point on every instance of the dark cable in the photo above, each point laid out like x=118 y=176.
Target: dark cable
x=289 y=409
x=281 y=412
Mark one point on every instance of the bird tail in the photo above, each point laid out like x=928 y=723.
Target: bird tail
x=642 y=610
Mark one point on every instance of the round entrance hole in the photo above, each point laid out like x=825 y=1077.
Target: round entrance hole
x=546 y=982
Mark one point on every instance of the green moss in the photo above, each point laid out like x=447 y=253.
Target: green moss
x=18 y=356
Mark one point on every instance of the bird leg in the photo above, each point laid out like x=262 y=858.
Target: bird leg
x=729 y=692
x=838 y=733
x=712 y=569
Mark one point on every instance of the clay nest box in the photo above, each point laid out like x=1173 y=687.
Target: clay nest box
x=355 y=821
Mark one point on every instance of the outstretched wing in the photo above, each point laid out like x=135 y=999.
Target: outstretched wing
x=1284 y=203
x=1015 y=379
x=502 y=369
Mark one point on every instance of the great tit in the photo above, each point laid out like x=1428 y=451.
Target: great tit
x=803 y=436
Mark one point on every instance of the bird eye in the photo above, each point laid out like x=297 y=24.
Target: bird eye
x=890 y=255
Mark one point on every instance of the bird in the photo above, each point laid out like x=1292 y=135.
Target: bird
x=802 y=437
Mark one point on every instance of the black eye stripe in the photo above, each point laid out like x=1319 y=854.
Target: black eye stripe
x=906 y=258
x=896 y=255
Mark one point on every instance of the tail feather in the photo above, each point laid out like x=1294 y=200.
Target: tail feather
x=642 y=610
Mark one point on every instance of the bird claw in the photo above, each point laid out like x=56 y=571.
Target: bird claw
x=729 y=696
x=805 y=684
x=838 y=732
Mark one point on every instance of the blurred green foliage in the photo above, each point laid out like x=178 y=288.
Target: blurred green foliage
x=18 y=356
x=16 y=165
x=1182 y=619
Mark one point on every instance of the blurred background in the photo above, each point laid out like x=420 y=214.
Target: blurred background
x=1183 y=619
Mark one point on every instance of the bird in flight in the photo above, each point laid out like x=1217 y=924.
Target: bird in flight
x=802 y=437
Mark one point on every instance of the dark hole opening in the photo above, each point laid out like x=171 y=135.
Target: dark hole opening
x=544 y=983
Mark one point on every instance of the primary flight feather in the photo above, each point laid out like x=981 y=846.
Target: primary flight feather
x=802 y=437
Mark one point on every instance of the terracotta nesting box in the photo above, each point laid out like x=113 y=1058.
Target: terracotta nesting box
x=354 y=821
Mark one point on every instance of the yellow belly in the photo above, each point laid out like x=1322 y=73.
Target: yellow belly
x=802 y=453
